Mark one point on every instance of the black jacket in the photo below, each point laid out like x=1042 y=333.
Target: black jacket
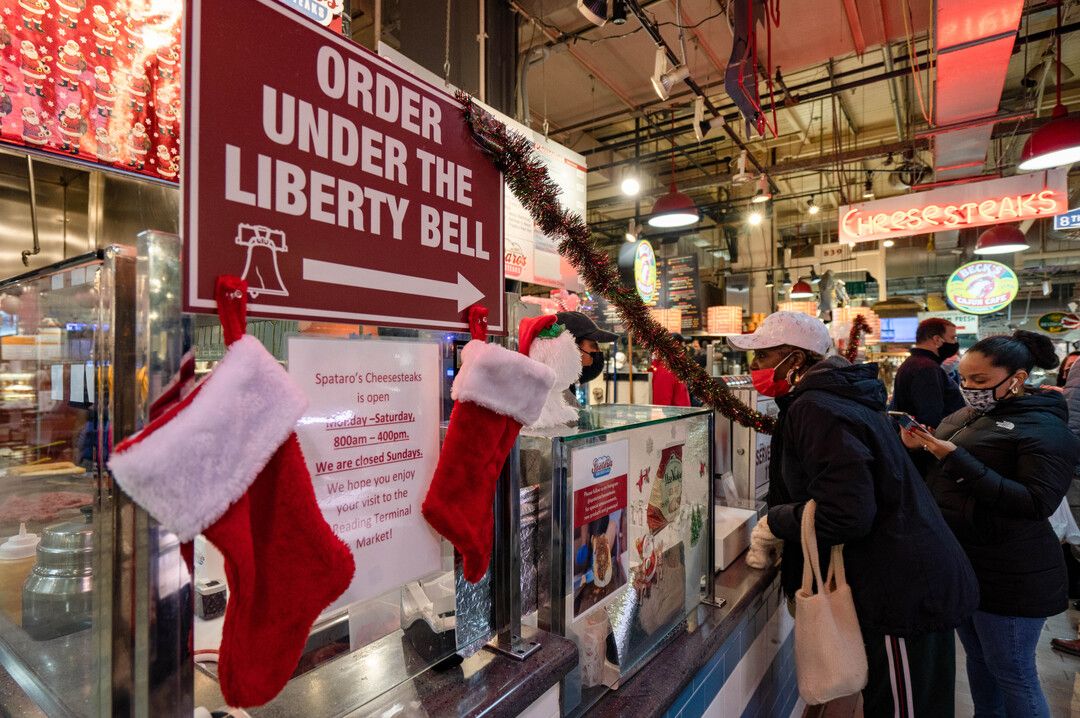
x=834 y=443
x=1010 y=470
x=923 y=389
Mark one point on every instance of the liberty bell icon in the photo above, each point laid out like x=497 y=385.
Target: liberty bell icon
x=261 y=268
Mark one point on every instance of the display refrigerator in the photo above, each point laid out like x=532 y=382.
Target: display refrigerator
x=618 y=550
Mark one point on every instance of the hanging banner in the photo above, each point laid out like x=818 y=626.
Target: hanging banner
x=100 y=82
x=341 y=187
x=982 y=287
x=96 y=82
x=1010 y=199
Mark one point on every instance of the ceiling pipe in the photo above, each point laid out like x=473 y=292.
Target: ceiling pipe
x=895 y=93
x=592 y=69
x=919 y=55
x=654 y=33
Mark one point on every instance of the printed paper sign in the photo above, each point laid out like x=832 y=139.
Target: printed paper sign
x=599 y=476
x=339 y=186
x=371 y=440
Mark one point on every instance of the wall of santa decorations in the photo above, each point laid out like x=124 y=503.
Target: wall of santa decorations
x=99 y=81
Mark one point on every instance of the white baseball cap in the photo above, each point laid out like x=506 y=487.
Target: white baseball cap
x=787 y=328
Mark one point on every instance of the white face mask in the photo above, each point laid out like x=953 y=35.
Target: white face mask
x=983 y=400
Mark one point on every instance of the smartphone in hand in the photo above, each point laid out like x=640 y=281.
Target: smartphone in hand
x=907 y=421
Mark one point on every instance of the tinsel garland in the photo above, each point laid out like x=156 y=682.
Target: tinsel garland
x=528 y=179
x=859 y=328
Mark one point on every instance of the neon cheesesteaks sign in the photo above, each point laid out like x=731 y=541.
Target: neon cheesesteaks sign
x=1011 y=199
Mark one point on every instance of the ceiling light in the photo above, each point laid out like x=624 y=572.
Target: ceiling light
x=595 y=11
x=702 y=127
x=1002 y=239
x=868 y=187
x=633 y=232
x=787 y=280
x=618 y=12
x=801 y=290
x=664 y=77
x=755 y=217
x=674 y=209
x=762 y=194
x=888 y=243
x=812 y=207
x=1054 y=144
x=630 y=186
x=1057 y=142
x=742 y=176
x=769 y=279
x=814 y=278
x=889 y=160
x=1046 y=288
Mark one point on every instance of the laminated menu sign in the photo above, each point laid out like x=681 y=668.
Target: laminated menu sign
x=371 y=440
x=682 y=289
x=599 y=474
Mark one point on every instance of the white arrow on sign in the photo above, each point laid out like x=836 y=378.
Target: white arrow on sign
x=462 y=290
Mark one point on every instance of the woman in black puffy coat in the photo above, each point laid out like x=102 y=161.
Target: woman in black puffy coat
x=1004 y=464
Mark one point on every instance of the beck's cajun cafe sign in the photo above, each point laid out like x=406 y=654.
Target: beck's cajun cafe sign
x=339 y=186
x=1011 y=199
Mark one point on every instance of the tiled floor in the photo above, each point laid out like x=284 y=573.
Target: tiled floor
x=1060 y=676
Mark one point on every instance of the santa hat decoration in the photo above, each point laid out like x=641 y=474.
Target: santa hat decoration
x=551 y=344
x=496 y=391
x=224 y=461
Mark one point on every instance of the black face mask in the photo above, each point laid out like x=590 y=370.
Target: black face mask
x=588 y=373
x=948 y=350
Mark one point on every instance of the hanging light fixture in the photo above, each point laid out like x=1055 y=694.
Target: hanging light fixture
x=812 y=207
x=814 y=278
x=633 y=232
x=888 y=243
x=755 y=217
x=1046 y=288
x=674 y=209
x=762 y=194
x=630 y=185
x=1001 y=239
x=868 y=187
x=664 y=76
x=1057 y=142
x=787 y=280
x=801 y=290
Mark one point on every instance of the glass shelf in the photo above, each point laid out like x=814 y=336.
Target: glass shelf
x=599 y=420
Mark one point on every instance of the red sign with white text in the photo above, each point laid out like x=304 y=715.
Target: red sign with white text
x=341 y=187
x=1011 y=199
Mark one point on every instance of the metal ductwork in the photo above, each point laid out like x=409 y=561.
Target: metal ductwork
x=974 y=43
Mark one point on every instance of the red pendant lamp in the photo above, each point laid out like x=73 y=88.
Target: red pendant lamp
x=1002 y=239
x=1057 y=142
x=674 y=209
x=802 y=290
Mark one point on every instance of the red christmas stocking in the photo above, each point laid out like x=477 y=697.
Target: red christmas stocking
x=497 y=392
x=224 y=461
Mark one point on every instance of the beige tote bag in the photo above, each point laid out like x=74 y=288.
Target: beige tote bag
x=830 y=659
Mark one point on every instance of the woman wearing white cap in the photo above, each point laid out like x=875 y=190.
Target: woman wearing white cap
x=834 y=443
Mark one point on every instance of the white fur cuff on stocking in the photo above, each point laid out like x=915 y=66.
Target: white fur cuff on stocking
x=189 y=465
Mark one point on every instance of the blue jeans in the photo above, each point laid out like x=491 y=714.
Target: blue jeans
x=1001 y=665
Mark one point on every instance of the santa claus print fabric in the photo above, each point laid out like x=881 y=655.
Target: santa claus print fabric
x=98 y=81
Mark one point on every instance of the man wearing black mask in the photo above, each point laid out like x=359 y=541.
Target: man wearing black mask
x=922 y=388
x=589 y=337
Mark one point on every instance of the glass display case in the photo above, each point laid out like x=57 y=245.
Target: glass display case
x=623 y=543
x=70 y=599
